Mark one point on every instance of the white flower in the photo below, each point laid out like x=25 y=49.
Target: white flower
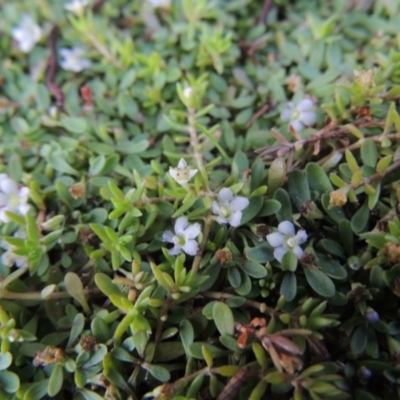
x=300 y=115
x=182 y=174
x=183 y=238
x=27 y=34
x=188 y=92
x=12 y=198
x=160 y=3
x=73 y=59
x=76 y=6
x=286 y=240
x=229 y=207
x=9 y=257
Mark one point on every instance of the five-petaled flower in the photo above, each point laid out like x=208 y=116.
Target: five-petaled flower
x=73 y=59
x=229 y=207
x=183 y=238
x=76 y=6
x=160 y=3
x=287 y=240
x=12 y=198
x=27 y=34
x=300 y=115
x=9 y=257
x=182 y=174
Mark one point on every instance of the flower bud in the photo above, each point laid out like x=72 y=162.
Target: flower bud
x=372 y=316
x=337 y=198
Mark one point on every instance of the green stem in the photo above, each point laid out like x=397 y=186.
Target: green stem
x=206 y=232
x=262 y=307
x=103 y=50
x=194 y=141
x=7 y=295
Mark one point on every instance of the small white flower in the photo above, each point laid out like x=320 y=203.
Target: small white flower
x=9 y=257
x=229 y=207
x=76 y=6
x=160 y=3
x=300 y=115
x=183 y=238
x=182 y=174
x=188 y=92
x=73 y=59
x=27 y=34
x=286 y=240
x=12 y=198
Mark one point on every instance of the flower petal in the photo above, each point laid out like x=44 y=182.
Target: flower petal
x=301 y=236
x=279 y=253
x=239 y=203
x=308 y=118
x=175 y=250
x=180 y=224
x=215 y=207
x=192 y=231
x=191 y=247
x=192 y=173
x=23 y=208
x=225 y=195
x=297 y=125
x=286 y=114
x=275 y=239
x=286 y=228
x=173 y=172
x=8 y=186
x=298 y=251
x=305 y=105
x=235 y=218
x=221 y=220
x=168 y=236
x=182 y=163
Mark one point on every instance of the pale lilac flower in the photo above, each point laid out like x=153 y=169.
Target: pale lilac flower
x=160 y=3
x=182 y=174
x=229 y=207
x=9 y=257
x=12 y=198
x=76 y=6
x=287 y=240
x=183 y=238
x=27 y=34
x=300 y=115
x=73 y=59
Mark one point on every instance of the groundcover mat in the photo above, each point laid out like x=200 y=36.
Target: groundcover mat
x=199 y=199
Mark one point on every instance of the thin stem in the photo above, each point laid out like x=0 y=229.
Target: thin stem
x=7 y=295
x=161 y=319
x=194 y=141
x=262 y=307
x=103 y=50
x=206 y=232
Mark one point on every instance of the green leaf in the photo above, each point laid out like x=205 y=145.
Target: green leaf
x=105 y=284
x=158 y=372
x=74 y=287
x=289 y=286
x=320 y=282
x=5 y=360
x=360 y=218
x=289 y=262
x=61 y=165
x=223 y=318
x=359 y=339
x=9 y=381
x=55 y=381
x=285 y=213
x=252 y=210
x=270 y=207
x=299 y=191
x=253 y=269
x=317 y=178
x=369 y=153
x=89 y=395
x=37 y=390
x=74 y=124
x=186 y=333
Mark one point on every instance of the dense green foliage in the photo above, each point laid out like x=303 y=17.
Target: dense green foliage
x=286 y=212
